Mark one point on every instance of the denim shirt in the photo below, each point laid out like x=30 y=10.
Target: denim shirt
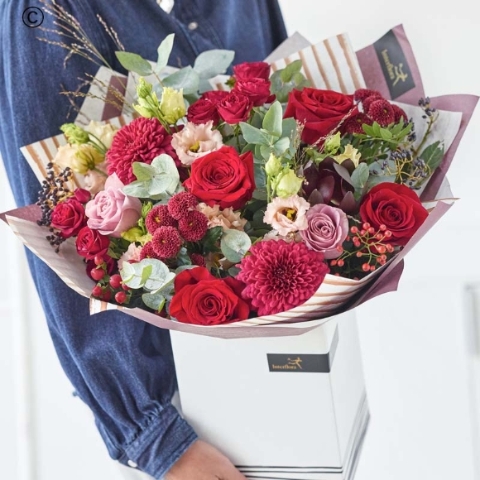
x=122 y=368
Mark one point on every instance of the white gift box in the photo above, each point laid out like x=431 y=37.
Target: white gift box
x=280 y=408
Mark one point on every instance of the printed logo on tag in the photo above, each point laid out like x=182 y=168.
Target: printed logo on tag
x=279 y=362
x=394 y=65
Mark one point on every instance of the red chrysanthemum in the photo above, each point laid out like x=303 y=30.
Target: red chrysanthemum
x=147 y=251
x=159 y=217
x=193 y=227
x=197 y=259
x=362 y=93
x=181 y=204
x=140 y=141
x=354 y=124
x=399 y=114
x=381 y=111
x=280 y=275
x=166 y=242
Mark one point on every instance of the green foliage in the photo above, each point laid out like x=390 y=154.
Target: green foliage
x=150 y=274
x=235 y=244
x=164 y=50
x=211 y=239
x=272 y=122
x=211 y=63
x=186 y=78
x=158 y=181
x=155 y=301
x=117 y=247
x=360 y=176
x=284 y=81
x=433 y=155
x=134 y=63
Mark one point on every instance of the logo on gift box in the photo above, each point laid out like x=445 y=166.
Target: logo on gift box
x=292 y=364
x=319 y=363
x=394 y=65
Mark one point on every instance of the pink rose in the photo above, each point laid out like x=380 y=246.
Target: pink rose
x=112 y=212
x=327 y=230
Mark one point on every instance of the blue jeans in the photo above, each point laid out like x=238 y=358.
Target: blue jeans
x=120 y=367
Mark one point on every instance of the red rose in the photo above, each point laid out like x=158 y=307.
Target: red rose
x=235 y=107
x=251 y=70
x=90 y=243
x=202 y=299
x=69 y=217
x=203 y=111
x=320 y=110
x=256 y=89
x=395 y=206
x=222 y=178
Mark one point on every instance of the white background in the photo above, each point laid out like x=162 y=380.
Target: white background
x=417 y=365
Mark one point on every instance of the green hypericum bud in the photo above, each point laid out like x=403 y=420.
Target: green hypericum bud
x=332 y=144
x=144 y=89
x=287 y=183
x=75 y=134
x=143 y=111
x=273 y=166
x=172 y=105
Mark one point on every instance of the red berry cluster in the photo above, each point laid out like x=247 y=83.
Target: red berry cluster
x=172 y=224
x=108 y=286
x=364 y=250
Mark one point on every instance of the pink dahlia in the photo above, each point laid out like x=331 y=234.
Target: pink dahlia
x=280 y=275
x=140 y=141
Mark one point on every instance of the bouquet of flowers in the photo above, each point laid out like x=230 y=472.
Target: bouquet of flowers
x=254 y=198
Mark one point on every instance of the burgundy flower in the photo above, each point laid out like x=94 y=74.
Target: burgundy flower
x=166 y=242
x=256 y=89
x=354 y=124
x=251 y=70
x=69 y=217
x=181 y=204
x=140 y=141
x=159 y=217
x=329 y=183
x=280 y=275
x=193 y=227
x=235 y=108
x=381 y=111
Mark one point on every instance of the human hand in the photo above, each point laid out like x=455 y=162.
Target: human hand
x=203 y=462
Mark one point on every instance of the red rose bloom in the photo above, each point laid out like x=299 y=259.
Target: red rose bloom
x=203 y=111
x=214 y=96
x=69 y=217
x=235 y=108
x=395 y=206
x=90 y=243
x=250 y=70
x=82 y=195
x=319 y=110
x=256 y=89
x=223 y=177
x=140 y=141
x=202 y=299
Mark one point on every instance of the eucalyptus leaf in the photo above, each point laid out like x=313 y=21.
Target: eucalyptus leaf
x=260 y=176
x=281 y=145
x=155 y=301
x=213 y=62
x=235 y=244
x=433 y=155
x=360 y=176
x=134 y=63
x=289 y=126
x=136 y=189
x=186 y=78
x=376 y=179
x=272 y=121
x=254 y=135
x=164 y=51
x=290 y=70
x=143 y=171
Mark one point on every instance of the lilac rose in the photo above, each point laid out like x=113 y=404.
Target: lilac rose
x=112 y=212
x=327 y=230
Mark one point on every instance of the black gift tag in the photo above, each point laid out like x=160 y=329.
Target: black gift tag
x=394 y=65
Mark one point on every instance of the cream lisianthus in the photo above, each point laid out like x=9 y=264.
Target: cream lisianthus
x=349 y=153
x=80 y=158
x=287 y=183
x=287 y=215
x=195 y=141
x=172 y=105
x=104 y=132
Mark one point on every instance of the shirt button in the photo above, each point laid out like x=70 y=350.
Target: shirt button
x=192 y=25
x=132 y=464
